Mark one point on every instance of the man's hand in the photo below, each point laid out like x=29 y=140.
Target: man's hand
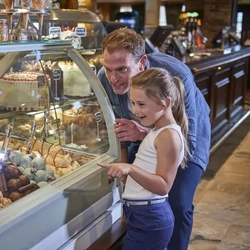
x=129 y=130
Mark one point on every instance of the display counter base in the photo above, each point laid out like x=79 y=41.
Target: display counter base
x=112 y=239
x=86 y=237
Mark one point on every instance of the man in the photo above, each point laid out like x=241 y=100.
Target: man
x=123 y=57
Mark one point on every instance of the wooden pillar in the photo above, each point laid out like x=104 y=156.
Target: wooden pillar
x=78 y=4
x=89 y=4
x=152 y=13
x=68 y=4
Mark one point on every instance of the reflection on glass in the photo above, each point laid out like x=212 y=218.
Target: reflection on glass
x=57 y=122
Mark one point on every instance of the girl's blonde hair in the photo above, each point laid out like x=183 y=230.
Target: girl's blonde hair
x=159 y=84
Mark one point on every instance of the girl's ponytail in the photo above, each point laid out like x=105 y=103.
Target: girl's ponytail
x=179 y=113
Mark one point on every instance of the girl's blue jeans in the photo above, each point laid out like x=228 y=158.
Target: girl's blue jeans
x=149 y=227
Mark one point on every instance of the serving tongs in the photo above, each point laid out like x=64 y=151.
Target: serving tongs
x=31 y=138
x=45 y=133
x=3 y=150
x=4 y=147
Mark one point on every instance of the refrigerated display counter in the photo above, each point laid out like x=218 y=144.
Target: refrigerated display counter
x=83 y=27
x=56 y=124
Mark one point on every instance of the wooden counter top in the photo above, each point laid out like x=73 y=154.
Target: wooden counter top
x=217 y=57
x=222 y=78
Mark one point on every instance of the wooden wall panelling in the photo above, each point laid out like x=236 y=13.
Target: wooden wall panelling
x=239 y=85
x=224 y=89
x=221 y=82
x=203 y=82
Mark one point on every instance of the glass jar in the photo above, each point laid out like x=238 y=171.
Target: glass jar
x=4 y=31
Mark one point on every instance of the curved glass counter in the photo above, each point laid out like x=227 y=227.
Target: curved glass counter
x=56 y=123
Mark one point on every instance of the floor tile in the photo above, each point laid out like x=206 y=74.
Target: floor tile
x=222 y=199
x=209 y=229
x=230 y=246
x=239 y=235
x=204 y=245
x=217 y=212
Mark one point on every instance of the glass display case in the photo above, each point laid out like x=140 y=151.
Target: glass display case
x=83 y=27
x=56 y=124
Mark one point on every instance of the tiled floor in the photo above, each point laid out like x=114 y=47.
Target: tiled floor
x=222 y=200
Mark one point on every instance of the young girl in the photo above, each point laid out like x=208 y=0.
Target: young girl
x=157 y=101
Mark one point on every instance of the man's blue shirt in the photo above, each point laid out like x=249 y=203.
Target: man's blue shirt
x=199 y=134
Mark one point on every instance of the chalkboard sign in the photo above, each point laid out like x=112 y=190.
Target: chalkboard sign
x=41 y=81
x=55 y=31
x=56 y=74
x=98 y=117
x=81 y=31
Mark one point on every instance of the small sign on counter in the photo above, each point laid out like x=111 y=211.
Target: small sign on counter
x=98 y=117
x=56 y=74
x=41 y=81
x=81 y=31
x=55 y=31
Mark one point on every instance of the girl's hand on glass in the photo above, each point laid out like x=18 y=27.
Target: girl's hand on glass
x=117 y=170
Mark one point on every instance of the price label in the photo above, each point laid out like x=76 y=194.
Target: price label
x=98 y=117
x=55 y=31
x=56 y=74
x=41 y=81
x=81 y=31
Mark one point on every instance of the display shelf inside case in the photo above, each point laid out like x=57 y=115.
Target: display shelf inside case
x=64 y=107
x=36 y=45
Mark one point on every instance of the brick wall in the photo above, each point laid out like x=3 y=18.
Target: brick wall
x=215 y=15
x=194 y=5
